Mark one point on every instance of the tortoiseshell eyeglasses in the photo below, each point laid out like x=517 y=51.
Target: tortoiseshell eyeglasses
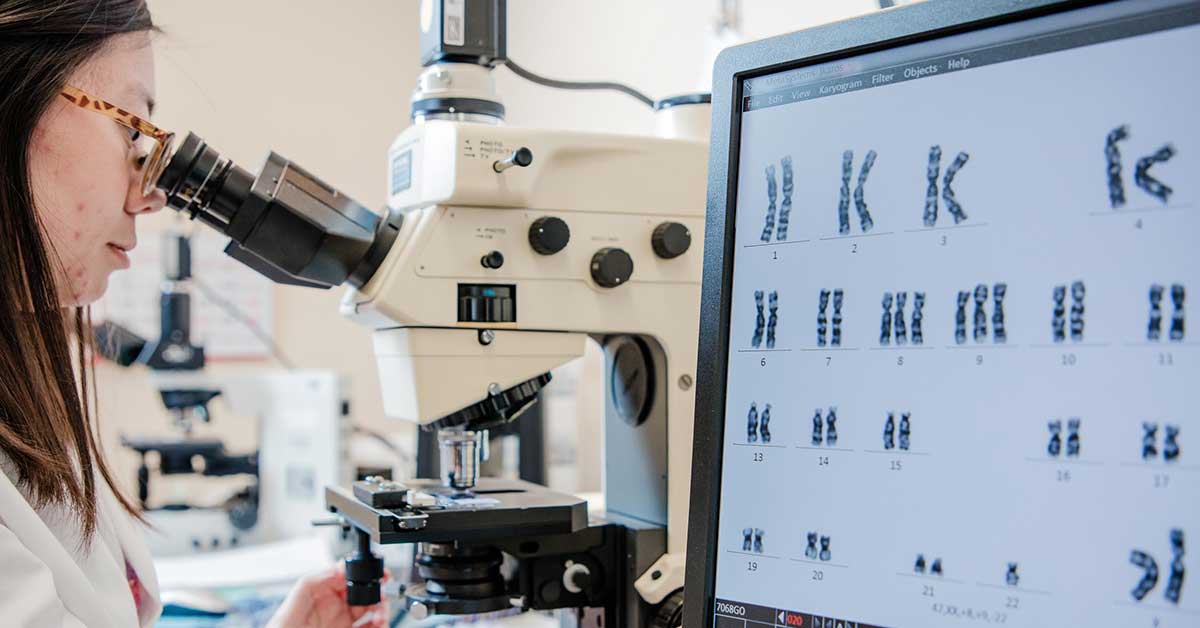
x=152 y=143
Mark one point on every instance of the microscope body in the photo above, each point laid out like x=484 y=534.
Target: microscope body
x=481 y=293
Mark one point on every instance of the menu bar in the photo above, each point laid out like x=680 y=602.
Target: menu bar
x=806 y=89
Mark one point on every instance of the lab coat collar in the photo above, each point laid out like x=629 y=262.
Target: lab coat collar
x=133 y=544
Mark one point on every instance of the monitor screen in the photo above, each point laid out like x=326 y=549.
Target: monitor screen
x=962 y=382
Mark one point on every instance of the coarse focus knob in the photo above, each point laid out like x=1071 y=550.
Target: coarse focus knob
x=669 y=613
x=670 y=240
x=549 y=235
x=611 y=267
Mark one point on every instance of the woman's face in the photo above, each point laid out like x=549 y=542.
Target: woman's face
x=84 y=170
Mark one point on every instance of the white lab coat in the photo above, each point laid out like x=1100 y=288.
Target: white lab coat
x=48 y=579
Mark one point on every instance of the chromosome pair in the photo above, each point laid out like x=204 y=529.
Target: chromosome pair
x=1154 y=329
x=1058 y=324
x=1149 y=566
x=824 y=431
x=980 y=328
x=860 y=204
x=757 y=426
x=889 y=431
x=1141 y=171
x=761 y=322
x=1055 y=447
x=935 y=569
x=890 y=320
x=752 y=540
x=785 y=208
x=823 y=322
x=824 y=554
x=931 y=191
x=1170 y=449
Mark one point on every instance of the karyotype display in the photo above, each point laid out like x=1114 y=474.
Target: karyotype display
x=812 y=552
x=1170 y=449
x=860 y=204
x=889 y=431
x=752 y=540
x=785 y=208
x=761 y=322
x=980 y=319
x=1154 y=329
x=1058 y=324
x=1149 y=566
x=1141 y=171
x=1011 y=577
x=758 y=426
x=935 y=568
x=890 y=320
x=824 y=431
x=931 y=191
x=1055 y=447
x=834 y=339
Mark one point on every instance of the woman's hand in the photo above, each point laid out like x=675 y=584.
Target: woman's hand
x=319 y=601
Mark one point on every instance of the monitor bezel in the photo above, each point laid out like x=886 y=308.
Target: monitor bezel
x=869 y=33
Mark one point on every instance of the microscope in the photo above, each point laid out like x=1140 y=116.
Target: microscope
x=284 y=475
x=502 y=250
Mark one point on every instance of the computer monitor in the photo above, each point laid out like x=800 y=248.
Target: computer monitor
x=947 y=373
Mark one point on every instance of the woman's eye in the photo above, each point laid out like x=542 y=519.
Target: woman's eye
x=134 y=135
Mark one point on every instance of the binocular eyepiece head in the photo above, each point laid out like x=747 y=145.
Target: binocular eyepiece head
x=283 y=222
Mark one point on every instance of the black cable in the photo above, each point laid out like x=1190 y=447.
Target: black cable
x=237 y=314
x=584 y=85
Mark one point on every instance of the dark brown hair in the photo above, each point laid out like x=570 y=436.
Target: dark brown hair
x=46 y=428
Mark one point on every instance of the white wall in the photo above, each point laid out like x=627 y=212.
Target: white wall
x=327 y=84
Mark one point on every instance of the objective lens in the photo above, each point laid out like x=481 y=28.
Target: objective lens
x=200 y=182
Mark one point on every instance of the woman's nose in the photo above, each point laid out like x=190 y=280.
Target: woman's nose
x=138 y=203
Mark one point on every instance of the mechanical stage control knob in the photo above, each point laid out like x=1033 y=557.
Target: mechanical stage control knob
x=549 y=235
x=611 y=267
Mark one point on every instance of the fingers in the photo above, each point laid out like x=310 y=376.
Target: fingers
x=373 y=619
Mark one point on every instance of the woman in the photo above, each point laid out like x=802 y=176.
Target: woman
x=76 y=87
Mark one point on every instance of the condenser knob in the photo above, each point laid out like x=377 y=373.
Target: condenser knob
x=549 y=235
x=611 y=267
x=670 y=240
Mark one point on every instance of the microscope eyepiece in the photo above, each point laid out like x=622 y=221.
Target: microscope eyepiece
x=283 y=222
x=199 y=182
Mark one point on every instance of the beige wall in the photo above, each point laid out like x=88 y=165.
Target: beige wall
x=327 y=84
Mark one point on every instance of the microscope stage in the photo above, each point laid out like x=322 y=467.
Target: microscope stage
x=495 y=510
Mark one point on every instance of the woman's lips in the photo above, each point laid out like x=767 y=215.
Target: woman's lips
x=121 y=253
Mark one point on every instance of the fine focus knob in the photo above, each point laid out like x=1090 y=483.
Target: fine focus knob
x=611 y=267
x=549 y=235
x=577 y=578
x=670 y=240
